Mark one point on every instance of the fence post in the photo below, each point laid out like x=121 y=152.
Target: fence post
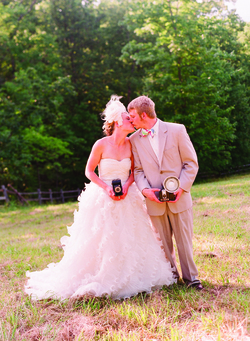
x=39 y=196
x=62 y=196
x=5 y=193
x=78 y=191
x=50 y=196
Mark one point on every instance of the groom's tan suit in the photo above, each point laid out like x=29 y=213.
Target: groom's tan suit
x=176 y=157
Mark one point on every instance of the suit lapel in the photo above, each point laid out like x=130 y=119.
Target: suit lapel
x=162 y=139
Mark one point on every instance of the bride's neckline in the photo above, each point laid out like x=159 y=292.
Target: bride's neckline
x=108 y=158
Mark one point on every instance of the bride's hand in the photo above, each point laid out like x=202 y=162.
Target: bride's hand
x=125 y=191
x=111 y=193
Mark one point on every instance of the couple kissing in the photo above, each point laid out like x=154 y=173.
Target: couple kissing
x=119 y=244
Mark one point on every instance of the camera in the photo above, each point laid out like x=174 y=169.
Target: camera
x=117 y=187
x=170 y=185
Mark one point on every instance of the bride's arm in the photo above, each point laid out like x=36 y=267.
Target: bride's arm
x=130 y=180
x=93 y=161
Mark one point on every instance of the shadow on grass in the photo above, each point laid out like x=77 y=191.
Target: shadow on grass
x=172 y=292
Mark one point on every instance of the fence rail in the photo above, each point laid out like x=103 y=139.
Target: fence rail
x=51 y=196
x=55 y=196
x=230 y=171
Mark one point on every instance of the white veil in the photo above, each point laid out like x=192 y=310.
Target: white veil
x=114 y=110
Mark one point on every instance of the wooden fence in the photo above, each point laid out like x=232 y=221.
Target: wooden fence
x=61 y=196
x=5 y=194
x=39 y=196
x=236 y=170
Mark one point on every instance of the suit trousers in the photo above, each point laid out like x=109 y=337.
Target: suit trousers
x=181 y=226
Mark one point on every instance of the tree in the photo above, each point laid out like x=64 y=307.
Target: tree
x=90 y=39
x=189 y=73
x=31 y=98
x=30 y=114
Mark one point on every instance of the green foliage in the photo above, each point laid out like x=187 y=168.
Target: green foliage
x=60 y=60
x=30 y=115
x=191 y=72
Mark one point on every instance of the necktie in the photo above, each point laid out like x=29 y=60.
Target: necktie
x=146 y=132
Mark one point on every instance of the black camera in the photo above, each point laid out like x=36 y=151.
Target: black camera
x=170 y=185
x=166 y=196
x=117 y=187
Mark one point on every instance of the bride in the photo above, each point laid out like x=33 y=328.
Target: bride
x=111 y=248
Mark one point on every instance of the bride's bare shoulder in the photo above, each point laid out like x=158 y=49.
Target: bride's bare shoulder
x=101 y=142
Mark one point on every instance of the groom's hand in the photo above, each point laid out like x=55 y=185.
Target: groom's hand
x=150 y=194
x=178 y=194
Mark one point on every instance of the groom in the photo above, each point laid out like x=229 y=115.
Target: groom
x=160 y=150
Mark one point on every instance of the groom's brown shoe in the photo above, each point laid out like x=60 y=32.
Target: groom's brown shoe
x=196 y=284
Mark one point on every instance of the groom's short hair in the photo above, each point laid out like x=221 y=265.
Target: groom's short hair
x=143 y=104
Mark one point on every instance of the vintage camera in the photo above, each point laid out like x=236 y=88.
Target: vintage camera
x=117 y=187
x=170 y=185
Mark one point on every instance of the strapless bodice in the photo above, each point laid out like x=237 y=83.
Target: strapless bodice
x=110 y=169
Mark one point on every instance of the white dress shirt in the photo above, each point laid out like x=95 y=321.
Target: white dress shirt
x=154 y=141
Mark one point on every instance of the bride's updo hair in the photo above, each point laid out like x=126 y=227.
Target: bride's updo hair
x=112 y=114
x=108 y=128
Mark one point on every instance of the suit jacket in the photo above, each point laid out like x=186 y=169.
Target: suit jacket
x=177 y=157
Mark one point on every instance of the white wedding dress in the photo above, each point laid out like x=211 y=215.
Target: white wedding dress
x=111 y=249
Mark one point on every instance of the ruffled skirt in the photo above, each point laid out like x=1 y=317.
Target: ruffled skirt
x=111 y=250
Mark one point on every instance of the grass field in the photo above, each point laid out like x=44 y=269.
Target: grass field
x=29 y=240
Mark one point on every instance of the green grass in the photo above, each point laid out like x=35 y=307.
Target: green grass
x=30 y=239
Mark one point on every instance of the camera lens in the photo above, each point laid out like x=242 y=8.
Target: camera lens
x=171 y=184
